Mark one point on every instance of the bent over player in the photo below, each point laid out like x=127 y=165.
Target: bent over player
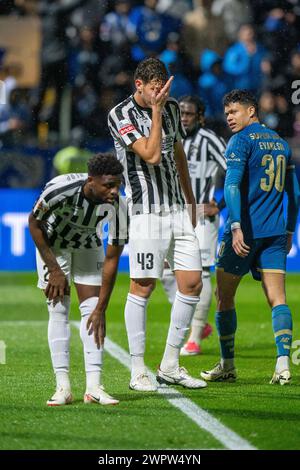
x=256 y=238
x=63 y=225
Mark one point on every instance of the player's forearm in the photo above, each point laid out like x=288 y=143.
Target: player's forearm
x=42 y=244
x=233 y=202
x=109 y=274
x=154 y=141
x=293 y=193
x=232 y=193
x=149 y=148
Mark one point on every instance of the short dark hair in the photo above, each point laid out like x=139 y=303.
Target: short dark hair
x=196 y=101
x=104 y=164
x=151 y=69
x=241 y=96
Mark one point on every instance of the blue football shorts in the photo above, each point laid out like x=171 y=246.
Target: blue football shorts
x=266 y=255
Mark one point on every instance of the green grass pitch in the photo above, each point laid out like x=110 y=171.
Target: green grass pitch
x=266 y=416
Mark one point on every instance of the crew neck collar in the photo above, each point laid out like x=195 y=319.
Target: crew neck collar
x=144 y=108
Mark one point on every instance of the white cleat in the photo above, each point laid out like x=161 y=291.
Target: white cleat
x=142 y=383
x=218 y=374
x=98 y=395
x=61 y=397
x=179 y=376
x=282 y=378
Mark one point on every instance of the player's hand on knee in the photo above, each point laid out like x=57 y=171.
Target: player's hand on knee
x=238 y=244
x=57 y=285
x=97 y=324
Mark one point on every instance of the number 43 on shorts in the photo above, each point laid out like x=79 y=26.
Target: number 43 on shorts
x=146 y=260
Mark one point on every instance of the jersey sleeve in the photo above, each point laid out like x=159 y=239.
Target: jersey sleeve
x=41 y=209
x=43 y=206
x=123 y=127
x=236 y=157
x=237 y=152
x=55 y=194
x=216 y=148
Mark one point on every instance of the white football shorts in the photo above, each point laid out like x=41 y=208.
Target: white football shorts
x=80 y=266
x=207 y=234
x=156 y=237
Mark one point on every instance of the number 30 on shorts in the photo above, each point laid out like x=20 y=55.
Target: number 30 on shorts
x=146 y=260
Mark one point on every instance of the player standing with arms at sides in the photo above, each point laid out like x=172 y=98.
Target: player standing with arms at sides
x=205 y=155
x=63 y=225
x=256 y=238
x=147 y=134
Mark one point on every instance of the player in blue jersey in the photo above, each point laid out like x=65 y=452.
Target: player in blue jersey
x=257 y=237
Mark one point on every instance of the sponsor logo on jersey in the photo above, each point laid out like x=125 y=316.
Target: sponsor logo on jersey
x=126 y=129
x=232 y=156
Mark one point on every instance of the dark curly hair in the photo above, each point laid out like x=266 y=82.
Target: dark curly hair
x=241 y=96
x=104 y=164
x=151 y=69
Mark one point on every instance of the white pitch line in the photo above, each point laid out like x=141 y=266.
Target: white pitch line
x=202 y=418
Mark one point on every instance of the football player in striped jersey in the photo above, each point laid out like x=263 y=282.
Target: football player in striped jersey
x=64 y=225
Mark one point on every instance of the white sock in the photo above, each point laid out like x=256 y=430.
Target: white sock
x=282 y=363
x=137 y=365
x=62 y=380
x=169 y=284
x=92 y=355
x=92 y=380
x=181 y=316
x=202 y=309
x=59 y=340
x=135 y=320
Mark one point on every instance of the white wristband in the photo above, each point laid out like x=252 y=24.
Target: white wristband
x=235 y=225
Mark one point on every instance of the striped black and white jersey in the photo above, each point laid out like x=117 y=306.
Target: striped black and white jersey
x=205 y=154
x=73 y=222
x=149 y=188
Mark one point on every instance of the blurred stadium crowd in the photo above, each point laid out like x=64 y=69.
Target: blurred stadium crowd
x=90 y=48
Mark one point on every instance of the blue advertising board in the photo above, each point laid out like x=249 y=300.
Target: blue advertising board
x=17 y=252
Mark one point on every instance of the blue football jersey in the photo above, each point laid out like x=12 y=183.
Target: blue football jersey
x=264 y=157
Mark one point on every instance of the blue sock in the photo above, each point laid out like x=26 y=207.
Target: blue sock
x=226 y=326
x=282 y=326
